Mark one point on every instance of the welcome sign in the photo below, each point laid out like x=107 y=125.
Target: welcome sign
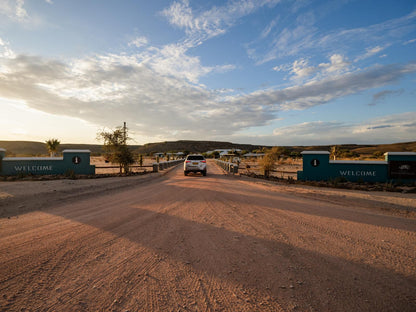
x=33 y=168
x=397 y=166
x=76 y=161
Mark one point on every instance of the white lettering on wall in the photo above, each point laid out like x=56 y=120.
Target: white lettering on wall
x=33 y=168
x=357 y=173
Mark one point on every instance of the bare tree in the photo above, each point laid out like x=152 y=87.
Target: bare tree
x=115 y=146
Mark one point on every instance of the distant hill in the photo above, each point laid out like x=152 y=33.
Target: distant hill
x=28 y=148
x=193 y=146
x=397 y=147
x=365 y=149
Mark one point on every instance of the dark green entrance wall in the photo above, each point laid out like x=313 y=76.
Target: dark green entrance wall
x=77 y=161
x=397 y=166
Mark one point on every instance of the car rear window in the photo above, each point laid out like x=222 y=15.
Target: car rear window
x=195 y=157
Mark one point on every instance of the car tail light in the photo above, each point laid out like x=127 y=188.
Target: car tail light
x=188 y=161
x=204 y=161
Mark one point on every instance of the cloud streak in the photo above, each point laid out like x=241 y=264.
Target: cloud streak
x=13 y=10
x=301 y=70
x=379 y=96
x=377 y=130
x=318 y=92
x=303 y=37
x=213 y=22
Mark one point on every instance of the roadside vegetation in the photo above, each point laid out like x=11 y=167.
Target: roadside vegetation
x=52 y=146
x=116 y=149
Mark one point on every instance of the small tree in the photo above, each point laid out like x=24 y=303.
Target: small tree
x=267 y=163
x=335 y=150
x=52 y=146
x=115 y=146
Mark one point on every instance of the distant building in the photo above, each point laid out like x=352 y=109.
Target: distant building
x=248 y=155
x=161 y=155
x=223 y=152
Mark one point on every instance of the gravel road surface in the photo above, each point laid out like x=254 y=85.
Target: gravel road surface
x=215 y=243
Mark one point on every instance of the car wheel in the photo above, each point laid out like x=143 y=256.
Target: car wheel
x=204 y=173
x=185 y=173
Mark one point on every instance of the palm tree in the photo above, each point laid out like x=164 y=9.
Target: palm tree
x=334 y=152
x=52 y=146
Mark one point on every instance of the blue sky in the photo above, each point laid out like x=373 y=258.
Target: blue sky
x=274 y=72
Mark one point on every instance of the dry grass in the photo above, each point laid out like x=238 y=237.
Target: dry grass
x=109 y=168
x=284 y=168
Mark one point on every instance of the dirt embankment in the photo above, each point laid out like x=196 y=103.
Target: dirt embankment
x=215 y=243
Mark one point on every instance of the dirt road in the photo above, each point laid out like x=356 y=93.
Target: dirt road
x=215 y=243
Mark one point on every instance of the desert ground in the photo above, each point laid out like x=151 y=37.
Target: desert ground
x=101 y=167
x=283 y=168
x=168 y=242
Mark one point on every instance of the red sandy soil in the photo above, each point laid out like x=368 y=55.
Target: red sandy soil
x=166 y=242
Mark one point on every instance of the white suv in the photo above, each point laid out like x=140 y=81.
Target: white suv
x=195 y=163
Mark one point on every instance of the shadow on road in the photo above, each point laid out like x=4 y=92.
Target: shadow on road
x=194 y=226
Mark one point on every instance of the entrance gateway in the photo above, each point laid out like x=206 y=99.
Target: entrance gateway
x=397 y=166
x=74 y=161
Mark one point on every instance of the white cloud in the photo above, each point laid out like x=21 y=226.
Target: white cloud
x=159 y=100
x=119 y=86
x=393 y=126
x=5 y=51
x=15 y=12
x=303 y=37
x=301 y=70
x=375 y=50
x=370 y=52
x=409 y=41
x=13 y=9
x=338 y=64
x=139 y=42
x=317 y=92
x=180 y=15
x=176 y=59
x=173 y=60
x=283 y=67
x=265 y=33
x=207 y=24
x=113 y=88
x=289 y=42
x=310 y=130
x=378 y=130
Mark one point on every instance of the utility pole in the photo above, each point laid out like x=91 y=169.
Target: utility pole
x=125 y=133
